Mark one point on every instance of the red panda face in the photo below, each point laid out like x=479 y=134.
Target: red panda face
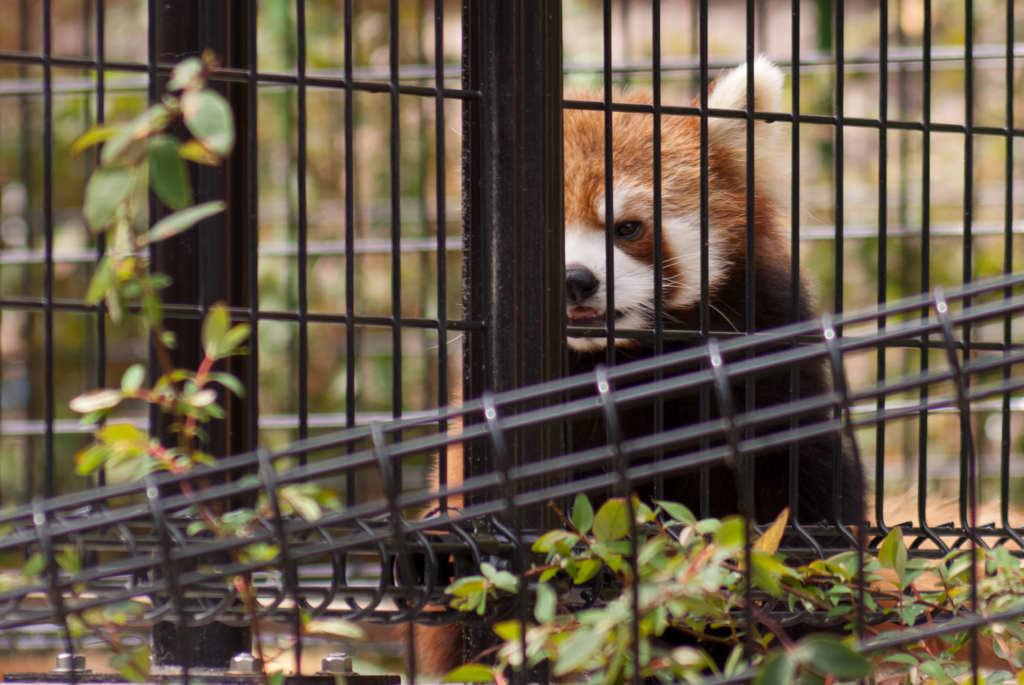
x=587 y=269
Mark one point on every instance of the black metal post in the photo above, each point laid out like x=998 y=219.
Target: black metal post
x=512 y=217
x=209 y=263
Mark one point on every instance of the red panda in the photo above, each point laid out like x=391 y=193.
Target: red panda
x=586 y=276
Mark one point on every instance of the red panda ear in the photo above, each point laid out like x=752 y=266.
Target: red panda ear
x=729 y=91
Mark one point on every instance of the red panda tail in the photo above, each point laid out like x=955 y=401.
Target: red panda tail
x=438 y=648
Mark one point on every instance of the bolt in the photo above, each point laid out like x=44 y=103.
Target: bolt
x=243 y=662
x=337 y=663
x=67 y=662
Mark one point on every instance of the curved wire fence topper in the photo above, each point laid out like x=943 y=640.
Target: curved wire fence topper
x=300 y=562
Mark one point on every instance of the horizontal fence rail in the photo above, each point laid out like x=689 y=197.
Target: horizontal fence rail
x=137 y=533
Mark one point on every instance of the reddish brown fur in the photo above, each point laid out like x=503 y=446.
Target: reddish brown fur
x=633 y=164
x=440 y=649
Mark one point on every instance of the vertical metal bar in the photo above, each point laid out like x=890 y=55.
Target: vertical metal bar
x=968 y=253
x=839 y=109
x=253 y=386
x=512 y=171
x=211 y=262
x=883 y=229
x=303 y=371
x=961 y=385
x=794 y=272
x=744 y=466
x=41 y=523
x=101 y=242
x=396 y=222
x=48 y=402
x=838 y=180
x=25 y=171
x=659 y=291
x=745 y=463
x=513 y=175
x=926 y=193
x=624 y=488
x=1004 y=443
x=750 y=291
x=499 y=447
x=705 y=290
x=441 y=229
x=609 y=187
x=350 y=276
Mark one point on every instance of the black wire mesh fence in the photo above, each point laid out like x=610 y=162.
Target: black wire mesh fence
x=391 y=158
x=142 y=552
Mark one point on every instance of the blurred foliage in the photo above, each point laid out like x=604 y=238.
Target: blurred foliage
x=680 y=591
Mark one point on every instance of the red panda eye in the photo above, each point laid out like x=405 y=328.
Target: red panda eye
x=628 y=229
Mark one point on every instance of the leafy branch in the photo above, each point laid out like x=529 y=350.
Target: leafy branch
x=139 y=155
x=691 y=579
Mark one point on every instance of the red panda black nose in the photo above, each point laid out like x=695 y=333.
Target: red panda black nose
x=580 y=284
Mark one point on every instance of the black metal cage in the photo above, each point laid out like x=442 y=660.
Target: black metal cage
x=395 y=238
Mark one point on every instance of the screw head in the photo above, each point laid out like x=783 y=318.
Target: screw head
x=243 y=662
x=337 y=663
x=67 y=662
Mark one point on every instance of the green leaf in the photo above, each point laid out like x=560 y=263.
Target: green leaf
x=612 y=521
x=678 y=512
x=106 y=190
x=167 y=173
x=934 y=669
x=470 y=673
x=152 y=310
x=195 y=528
x=228 y=381
x=119 y=432
x=587 y=569
x=508 y=631
x=95 y=134
x=132 y=378
x=91 y=459
x=235 y=337
x=337 y=627
x=208 y=116
x=547 y=601
x=548 y=575
x=902 y=658
x=546 y=541
x=34 y=566
x=582 y=513
x=893 y=553
x=731 y=533
x=69 y=560
x=95 y=400
x=193 y=151
x=304 y=506
x=186 y=74
x=466 y=586
x=179 y=222
x=214 y=328
x=153 y=119
x=503 y=580
x=578 y=648
x=133 y=665
x=829 y=656
x=102 y=280
x=778 y=669
x=766 y=573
